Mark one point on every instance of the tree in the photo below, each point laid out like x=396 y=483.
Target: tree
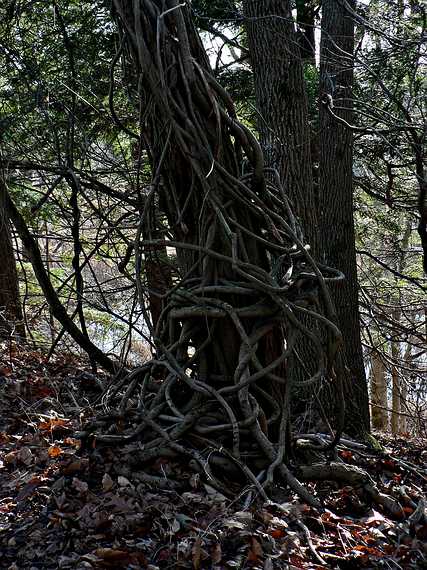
x=243 y=271
x=379 y=398
x=282 y=106
x=336 y=197
x=285 y=135
x=11 y=317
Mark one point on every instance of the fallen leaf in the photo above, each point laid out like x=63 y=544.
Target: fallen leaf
x=80 y=486
x=107 y=482
x=374 y=518
x=216 y=553
x=11 y=457
x=54 y=424
x=29 y=489
x=25 y=455
x=196 y=552
x=54 y=451
x=277 y=533
x=113 y=557
x=72 y=442
x=73 y=467
x=123 y=482
x=175 y=527
x=255 y=550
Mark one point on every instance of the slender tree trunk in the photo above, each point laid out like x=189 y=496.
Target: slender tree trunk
x=282 y=104
x=378 y=393
x=10 y=305
x=336 y=198
x=395 y=354
x=403 y=421
x=395 y=345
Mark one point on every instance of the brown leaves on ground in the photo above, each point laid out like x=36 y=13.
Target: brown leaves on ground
x=63 y=509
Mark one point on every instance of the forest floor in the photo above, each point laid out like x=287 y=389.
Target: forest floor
x=64 y=508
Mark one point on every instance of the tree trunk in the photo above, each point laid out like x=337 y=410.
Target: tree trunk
x=395 y=377
x=378 y=393
x=282 y=104
x=395 y=344
x=11 y=318
x=243 y=272
x=403 y=421
x=283 y=126
x=336 y=199
x=305 y=17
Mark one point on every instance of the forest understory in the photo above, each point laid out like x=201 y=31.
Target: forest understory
x=67 y=506
x=223 y=205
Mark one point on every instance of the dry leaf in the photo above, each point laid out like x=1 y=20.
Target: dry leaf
x=113 y=556
x=54 y=451
x=25 y=455
x=196 y=551
x=80 y=486
x=53 y=424
x=107 y=482
x=216 y=553
x=255 y=550
x=73 y=467
x=11 y=457
x=123 y=482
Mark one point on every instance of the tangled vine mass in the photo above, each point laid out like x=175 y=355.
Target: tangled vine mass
x=243 y=302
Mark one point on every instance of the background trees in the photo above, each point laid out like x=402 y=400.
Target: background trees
x=10 y=304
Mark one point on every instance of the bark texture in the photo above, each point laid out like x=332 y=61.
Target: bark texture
x=10 y=305
x=395 y=378
x=306 y=10
x=336 y=198
x=379 y=413
x=282 y=104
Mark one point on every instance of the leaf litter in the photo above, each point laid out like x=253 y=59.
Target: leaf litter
x=63 y=507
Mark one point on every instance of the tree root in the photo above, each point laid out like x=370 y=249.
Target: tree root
x=353 y=476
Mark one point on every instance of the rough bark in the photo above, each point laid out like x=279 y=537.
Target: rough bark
x=282 y=104
x=283 y=127
x=379 y=413
x=306 y=10
x=11 y=318
x=336 y=199
x=395 y=380
x=395 y=344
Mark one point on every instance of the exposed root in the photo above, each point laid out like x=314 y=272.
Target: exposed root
x=354 y=476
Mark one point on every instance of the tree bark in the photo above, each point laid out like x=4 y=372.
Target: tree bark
x=306 y=10
x=11 y=317
x=379 y=406
x=282 y=104
x=336 y=199
x=395 y=378
x=283 y=126
x=395 y=344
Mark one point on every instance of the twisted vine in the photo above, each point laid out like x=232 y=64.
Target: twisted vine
x=246 y=291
